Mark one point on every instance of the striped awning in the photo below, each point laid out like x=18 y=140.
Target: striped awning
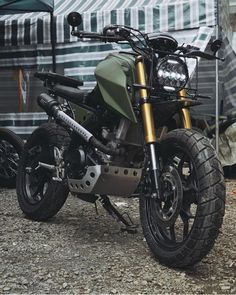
x=146 y=15
x=27 y=43
x=22 y=124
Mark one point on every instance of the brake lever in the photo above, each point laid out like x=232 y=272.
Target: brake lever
x=197 y=53
x=187 y=48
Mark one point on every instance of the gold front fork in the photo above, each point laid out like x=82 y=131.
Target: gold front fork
x=184 y=113
x=146 y=108
x=148 y=122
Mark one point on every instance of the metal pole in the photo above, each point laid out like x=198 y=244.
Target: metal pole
x=217 y=98
x=53 y=42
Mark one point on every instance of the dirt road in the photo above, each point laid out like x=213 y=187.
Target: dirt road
x=81 y=252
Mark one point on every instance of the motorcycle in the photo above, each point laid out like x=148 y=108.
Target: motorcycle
x=11 y=146
x=123 y=149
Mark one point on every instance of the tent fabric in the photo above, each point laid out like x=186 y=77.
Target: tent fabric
x=80 y=59
x=146 y=15
x=22 y=124
x=224 y=19
x=21 y=6
x=227 y=82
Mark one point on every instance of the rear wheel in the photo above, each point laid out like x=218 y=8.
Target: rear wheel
x=181 y=226
x=39 y=195
x=11 y=146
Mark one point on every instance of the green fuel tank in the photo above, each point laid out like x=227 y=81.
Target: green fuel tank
x=115 y=76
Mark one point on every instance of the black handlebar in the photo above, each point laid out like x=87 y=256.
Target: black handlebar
x=118 y=34
x=192 y=51
x=106 y=36
x=198 y=53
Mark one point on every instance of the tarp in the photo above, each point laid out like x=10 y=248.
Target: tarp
x=227 y=146
x=20 y=6
x=227 y=82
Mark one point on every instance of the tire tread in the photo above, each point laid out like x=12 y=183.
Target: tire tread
x=210 y=212
x=54 y=135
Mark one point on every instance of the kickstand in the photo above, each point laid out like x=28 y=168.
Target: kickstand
x=130 y=227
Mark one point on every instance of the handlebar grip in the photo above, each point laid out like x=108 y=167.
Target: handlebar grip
x=84 y=34
x=101 y=37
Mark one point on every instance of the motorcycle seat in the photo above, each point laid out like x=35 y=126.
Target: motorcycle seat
x=72 y=94
x=57 y=78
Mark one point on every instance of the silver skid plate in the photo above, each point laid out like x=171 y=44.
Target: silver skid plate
x=109 y=180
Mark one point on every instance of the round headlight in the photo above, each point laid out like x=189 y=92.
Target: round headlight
x=172 y=73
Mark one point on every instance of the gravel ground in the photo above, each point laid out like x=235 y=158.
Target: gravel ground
x=79 y=251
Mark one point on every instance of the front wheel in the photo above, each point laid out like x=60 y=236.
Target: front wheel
x=39 y=195
x=182 y=225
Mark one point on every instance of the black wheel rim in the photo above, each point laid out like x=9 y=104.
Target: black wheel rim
x=36 y=178
x=9 y=159
x=174 y=235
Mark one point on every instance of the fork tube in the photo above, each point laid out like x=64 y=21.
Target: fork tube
x=185 y=113
x=146 y=107
x=148 y=120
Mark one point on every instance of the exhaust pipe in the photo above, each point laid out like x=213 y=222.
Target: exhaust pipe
x=52 y=108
